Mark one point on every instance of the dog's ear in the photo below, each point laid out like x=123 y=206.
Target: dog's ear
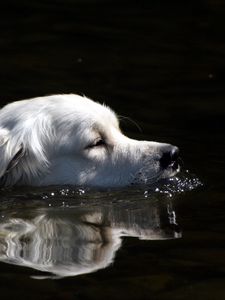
x=11 y=152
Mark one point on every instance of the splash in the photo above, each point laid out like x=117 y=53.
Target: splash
x=182 y=182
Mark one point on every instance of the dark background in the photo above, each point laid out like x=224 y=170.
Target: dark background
x=161 y=63
x=167 y=57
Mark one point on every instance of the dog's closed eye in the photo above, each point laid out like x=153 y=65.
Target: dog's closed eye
x=97 y=143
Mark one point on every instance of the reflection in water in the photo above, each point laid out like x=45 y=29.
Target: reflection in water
x=73 y=241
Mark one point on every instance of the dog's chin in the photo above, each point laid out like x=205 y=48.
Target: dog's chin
x=171 y=171
x=144 y=178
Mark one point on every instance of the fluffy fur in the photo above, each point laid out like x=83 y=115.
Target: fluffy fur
x=69 y=139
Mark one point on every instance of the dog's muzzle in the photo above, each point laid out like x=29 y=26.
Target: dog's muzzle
x=170 y=158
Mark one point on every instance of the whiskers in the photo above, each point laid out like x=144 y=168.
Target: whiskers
x=143 y=177
x=123 y=118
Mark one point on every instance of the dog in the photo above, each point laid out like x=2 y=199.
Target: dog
x=72 y=140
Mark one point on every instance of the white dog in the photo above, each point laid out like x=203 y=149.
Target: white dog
x=69 y=139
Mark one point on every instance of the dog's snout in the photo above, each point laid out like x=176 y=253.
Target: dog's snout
x=169 y=157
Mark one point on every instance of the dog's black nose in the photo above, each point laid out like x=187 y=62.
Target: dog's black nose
x=169 y=157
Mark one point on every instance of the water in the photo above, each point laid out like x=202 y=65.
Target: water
x=161 y=64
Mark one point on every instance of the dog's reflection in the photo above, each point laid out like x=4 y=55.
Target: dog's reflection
x=73 y=241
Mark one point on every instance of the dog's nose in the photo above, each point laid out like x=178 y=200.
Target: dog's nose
x=169 y=157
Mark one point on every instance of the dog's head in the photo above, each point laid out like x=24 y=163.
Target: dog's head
x=68 y=139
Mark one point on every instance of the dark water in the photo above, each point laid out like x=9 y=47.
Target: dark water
x=162 y=63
